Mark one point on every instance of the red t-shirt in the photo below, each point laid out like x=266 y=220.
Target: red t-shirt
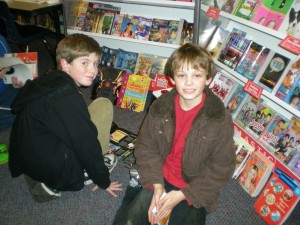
x=172 y=166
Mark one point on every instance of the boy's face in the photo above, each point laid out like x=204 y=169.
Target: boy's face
x=190 y=84
x=83 y=70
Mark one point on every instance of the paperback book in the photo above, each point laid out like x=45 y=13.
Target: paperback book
x=158 y=66
x=104 y=55
x=246 y=112
x=187 y=33
x=246 y=8
x=242 y=151
x=229 y=6
x=80 y=17
x=172 y=31
x=261 y=119
x=129 y=61
x=293 y=97
x=117 y=25
x=289 y=80
x=288 y=144
x=143 y=64
x=255 y=173
x=231 y=54
x=273 y=72
x=277 y=200
x=236 y=99
x=143 y=28
x=222 y=85
x=159 y=30
x=129 y=26
x=218 y=40
x=252 y=60
x=271 y=136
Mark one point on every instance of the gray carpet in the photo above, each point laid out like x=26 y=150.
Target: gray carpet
x=86 y=207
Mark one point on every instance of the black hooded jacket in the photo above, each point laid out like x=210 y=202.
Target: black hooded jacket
x=53 y=138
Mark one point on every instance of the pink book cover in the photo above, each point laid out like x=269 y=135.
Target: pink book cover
x=273 y=20
x=261 y=14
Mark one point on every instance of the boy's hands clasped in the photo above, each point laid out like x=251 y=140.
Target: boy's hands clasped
x=113 y=187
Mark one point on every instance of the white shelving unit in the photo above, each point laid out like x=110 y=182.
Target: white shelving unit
x=171 y=10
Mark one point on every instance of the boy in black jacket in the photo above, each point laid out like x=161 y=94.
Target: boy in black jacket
x=54 y=139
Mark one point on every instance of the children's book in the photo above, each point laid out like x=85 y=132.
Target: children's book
x=294 y=163
x=81 y=13
x=288 y=144
x=159 y=30
x=117 y=25
x=231 y=54
x=112 y=57
x=289 y=80
x=187 y=33
x=293 y=96
x=242 y=151
x=161 y=85
x=291 y=23
x=135 y=94
x=172 y=31
x=252 y=60
x=229 y=6
x=129 y=61
x=120 y=58
x=246 y=111
x=255 y=173
x=143 y=64
x=104 y=55
x=107 y=23
x=236 y=100
x=129 y=26
x=272 y=134
x=260 y=120
x=246 y=9
x=273 y=72
x=217 y=42
x=143 y=28
x=277 y=200
x=222 y=85
x=181 y=24
x=158 y=66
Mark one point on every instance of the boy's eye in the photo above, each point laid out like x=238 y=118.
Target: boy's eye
x=84 y=63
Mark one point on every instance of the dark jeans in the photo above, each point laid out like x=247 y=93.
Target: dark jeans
x=136 y=202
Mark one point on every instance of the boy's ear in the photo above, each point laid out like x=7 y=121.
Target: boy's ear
x=172 y=81
x=207 y=82
x=64 y=65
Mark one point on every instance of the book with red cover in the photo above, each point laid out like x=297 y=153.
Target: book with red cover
x=255 y=173
x=276 y=201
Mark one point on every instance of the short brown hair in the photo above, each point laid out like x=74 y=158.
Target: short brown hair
x=74 y=46
x=192 y=55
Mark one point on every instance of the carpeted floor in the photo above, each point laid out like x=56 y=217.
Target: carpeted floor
x=86 y=207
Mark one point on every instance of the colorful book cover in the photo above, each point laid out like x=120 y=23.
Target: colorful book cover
x=187 y=33
x=172 y=31
x=291 y=23
x=143 y=28
x=222 y=85
x=159 y=30
x=117 y=25
x=247 y=111
x=81 y=13
x=271 y=136
x=242 y=151
x=112 y=57
x=158 y=66
x=278 y=6
x=273 y=72
x=216 y=43
x=246 y=8
x=252 y=60
x=129 y=61
x=104 y=55
x=161 y=85
x=255 y=173
x=277 y=200
x=288 y=144
x=289 y=80
x=128 y=27
x=135 y=93
x=294 y=163
x=229 y=6
x=231 y=54
x=143 y=64
x=293 y=97
x=120 y=58
x=107 y=23
x=181 y=24
x=260 y=120
x=236 y=99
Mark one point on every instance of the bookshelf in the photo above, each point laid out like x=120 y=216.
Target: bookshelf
x=152 y=9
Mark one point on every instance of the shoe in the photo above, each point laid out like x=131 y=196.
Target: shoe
x=87 y=180
x=3 y=157
x=51 y=191
x=134 y=178
x=110 y=161
x=3 y=147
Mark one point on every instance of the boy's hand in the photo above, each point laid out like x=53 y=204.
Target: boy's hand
x=3 y=72
x=158 y=192
x=114 y=186
x=16 y=83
